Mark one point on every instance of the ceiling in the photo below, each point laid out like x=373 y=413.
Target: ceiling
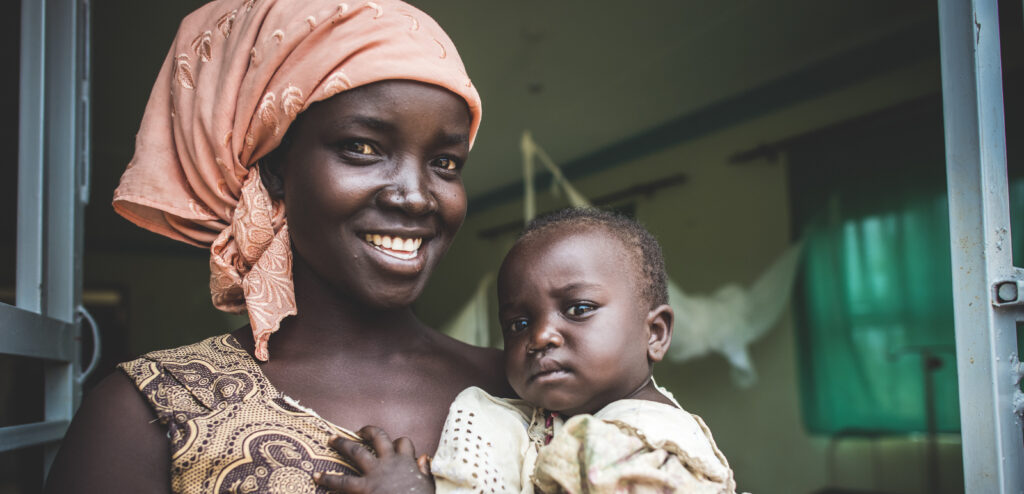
x=582 y=75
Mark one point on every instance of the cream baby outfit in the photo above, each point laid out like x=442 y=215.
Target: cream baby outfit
x=498 y=445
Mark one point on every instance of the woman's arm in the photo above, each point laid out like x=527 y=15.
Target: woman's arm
x=114 y=444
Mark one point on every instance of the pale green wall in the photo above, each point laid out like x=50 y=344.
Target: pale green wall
x=726 y=224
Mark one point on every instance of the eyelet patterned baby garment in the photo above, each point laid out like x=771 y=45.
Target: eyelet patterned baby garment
x=494 y=445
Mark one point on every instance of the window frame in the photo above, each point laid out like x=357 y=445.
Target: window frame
x=53 y=171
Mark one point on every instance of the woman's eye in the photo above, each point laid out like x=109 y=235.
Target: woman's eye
x=446 y=163
x=517 y=326
x=579 y=309
x=359 y=147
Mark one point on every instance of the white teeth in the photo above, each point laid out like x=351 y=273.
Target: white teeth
x=408 y=246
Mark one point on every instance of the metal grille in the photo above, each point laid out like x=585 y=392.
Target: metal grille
x=52 y=179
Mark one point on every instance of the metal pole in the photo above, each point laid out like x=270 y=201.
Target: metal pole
x=29 y=291
x=64 y=208
x=986 y=349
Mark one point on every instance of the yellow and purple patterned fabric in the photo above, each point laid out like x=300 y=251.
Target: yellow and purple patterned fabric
x=229 y=429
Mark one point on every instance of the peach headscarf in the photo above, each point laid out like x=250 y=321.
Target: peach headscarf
x=238 y=73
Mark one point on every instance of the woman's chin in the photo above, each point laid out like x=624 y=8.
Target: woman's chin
x=388 y=298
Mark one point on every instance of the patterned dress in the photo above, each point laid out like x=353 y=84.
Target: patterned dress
x=229 y=429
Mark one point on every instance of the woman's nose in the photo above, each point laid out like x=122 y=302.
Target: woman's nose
x=544 y=336
x=409 y=191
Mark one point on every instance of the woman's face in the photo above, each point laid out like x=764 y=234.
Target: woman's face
x=373 y=187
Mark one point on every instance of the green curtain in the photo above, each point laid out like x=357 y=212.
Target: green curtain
x=877 y=302
x=874 y=301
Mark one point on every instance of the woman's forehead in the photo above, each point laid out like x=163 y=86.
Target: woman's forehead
x=386 y=104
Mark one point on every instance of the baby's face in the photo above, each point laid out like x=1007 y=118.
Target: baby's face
x=574 y=321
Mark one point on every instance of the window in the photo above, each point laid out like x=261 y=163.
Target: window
x=874 y=301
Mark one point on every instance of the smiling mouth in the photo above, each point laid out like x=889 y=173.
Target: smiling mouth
x=395 y=246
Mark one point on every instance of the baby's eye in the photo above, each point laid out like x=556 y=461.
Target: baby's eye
x=359 y=147
x=517 y=326
x=580 y=308
x=446 y=163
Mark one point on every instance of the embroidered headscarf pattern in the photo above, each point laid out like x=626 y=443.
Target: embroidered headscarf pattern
x=237 y=75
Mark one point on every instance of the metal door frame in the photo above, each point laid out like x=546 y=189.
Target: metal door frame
x=988 y=291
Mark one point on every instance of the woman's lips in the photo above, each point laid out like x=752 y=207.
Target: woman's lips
x=400 y=255
x=393 y=245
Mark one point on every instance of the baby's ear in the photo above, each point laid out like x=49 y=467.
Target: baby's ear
x=659 y=325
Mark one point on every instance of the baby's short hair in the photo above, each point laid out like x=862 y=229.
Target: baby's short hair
x=644 y=248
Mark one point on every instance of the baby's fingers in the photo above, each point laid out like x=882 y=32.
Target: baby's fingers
x=346 y=484
x=356 y=452
x=423 y=463
x=379 y=439
x=404 y=446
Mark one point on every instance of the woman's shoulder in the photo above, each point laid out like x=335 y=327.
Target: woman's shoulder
x=197 y=379
x=215 y=355
x=114 y=428
x=216 y=348
x=486 y=365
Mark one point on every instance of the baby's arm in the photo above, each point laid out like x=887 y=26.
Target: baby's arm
x=394 y=468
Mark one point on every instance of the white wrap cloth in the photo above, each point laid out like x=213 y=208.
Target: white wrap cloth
x=497 y=445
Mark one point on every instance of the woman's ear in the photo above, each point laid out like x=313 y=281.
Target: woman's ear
x=659 y=326
x=270 y=174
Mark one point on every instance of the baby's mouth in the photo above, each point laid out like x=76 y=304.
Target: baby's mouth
x=549 y=369
x=395 y=246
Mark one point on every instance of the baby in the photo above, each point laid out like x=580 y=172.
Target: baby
x=584 y=313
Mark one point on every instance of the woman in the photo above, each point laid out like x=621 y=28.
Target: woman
x=316 y=148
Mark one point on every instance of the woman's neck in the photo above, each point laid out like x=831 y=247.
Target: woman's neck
x=331 y=323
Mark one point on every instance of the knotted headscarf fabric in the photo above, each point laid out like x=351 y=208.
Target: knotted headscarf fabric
x=237 y=75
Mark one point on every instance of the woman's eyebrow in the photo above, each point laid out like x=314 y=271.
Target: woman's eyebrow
x=364 y=121
x=445 y=139
x=378 y=124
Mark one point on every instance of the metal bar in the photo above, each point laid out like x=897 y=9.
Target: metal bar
x=61 y=157
x=980 y=239
x=29 y=334
x=21 y=436
x=64 y=209
x=28 y=291
x=84 y=42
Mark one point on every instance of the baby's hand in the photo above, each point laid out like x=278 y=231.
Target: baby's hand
x=394 y=469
